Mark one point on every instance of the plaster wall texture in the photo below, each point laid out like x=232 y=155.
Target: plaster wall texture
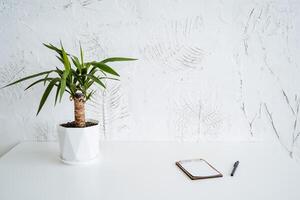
x=207 y=70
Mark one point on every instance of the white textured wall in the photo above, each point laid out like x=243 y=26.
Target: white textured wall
x=207 y=69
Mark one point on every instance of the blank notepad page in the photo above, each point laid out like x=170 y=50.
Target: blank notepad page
x=198 y=168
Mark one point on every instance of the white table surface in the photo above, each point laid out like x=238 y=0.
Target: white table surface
x=146 y=170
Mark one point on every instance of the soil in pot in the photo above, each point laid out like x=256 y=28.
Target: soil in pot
x=72 y=124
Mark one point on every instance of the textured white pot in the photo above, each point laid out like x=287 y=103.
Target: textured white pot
x=79 y=145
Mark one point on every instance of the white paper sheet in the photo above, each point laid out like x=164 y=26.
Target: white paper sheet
x=198 y=167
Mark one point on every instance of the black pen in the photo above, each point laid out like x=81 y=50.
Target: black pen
x=236 y=164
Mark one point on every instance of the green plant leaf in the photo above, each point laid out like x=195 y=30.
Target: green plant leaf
x=66 y=60
x=97 y=80
x=87 y=65
x=116 y=59
x=28 y=77
x=115 y=79
x=81 y=56
x=50 y=46
x=57 y=93
x=54 y=48
x=38 y=81
x=77 y=64
x=87 y=85
x=59 y=72
x=63 y=83
x=76 y=77
x=72 y=88
x=105 y=68
x=65 y=72
x=90 y=95
x=84 y=72
x=61 y=60
x=46 y=94
x=47 y=75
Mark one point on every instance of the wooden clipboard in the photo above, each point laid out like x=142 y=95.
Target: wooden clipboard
x=181 y=163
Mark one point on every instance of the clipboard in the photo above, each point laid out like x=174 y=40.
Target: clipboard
x=197 y=169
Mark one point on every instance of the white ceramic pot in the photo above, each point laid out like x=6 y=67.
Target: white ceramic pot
x=79 y=145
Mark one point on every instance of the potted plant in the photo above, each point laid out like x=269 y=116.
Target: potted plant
x=79 y=139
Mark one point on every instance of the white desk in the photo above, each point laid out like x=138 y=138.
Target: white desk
x=140 y=171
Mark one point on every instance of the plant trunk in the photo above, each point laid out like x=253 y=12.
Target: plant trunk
x=79 y=110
